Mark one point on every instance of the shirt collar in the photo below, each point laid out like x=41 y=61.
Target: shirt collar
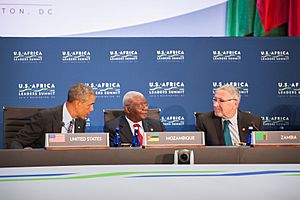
x=232 y=120
x=66 y=115
x=131 y=124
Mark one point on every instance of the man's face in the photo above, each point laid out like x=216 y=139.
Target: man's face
x=84 y=108
x=224 y=105
x=138 y=109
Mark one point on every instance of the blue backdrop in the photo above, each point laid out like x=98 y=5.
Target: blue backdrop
x=178 y=75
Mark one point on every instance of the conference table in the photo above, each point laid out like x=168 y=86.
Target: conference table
x=126 y=173
x=127 y=155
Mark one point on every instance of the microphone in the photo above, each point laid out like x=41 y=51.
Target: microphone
x=251 y=128
x=62 y=124
x=254 y=126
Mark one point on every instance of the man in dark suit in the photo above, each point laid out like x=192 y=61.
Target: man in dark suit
x=227 y=116
x=136 y=112
x=67 y=118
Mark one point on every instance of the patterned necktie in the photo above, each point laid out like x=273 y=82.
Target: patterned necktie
x=139 y=133
x=227 y=136
x=70 y=128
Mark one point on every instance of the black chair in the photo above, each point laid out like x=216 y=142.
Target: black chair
x=110 y=114
x=14 y=119
x=197 y=115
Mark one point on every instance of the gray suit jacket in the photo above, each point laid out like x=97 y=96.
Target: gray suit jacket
x=126 y=134
x=45 y=121
x=212 y=127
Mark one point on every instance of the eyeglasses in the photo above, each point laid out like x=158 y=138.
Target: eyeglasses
x=140 y=105
x=222 y=100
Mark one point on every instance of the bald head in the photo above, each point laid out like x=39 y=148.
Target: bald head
x=130 y=96
x=135 y=106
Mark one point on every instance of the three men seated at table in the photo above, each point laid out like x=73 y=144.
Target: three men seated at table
x=226 y=125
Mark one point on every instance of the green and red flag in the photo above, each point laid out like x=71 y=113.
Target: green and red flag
x=263 y=17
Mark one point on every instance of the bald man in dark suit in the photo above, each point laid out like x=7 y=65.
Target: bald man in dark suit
x=136 y=112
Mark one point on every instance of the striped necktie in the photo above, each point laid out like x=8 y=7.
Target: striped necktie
x=70 y=128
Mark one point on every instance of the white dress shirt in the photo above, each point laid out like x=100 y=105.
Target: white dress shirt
x=67 y=118
x=131 y=123
x=234 y=129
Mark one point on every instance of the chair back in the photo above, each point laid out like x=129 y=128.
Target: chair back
x=14 y=119
x=197 y=115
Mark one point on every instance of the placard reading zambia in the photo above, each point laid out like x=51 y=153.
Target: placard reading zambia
x=170 y=139
x=281 y=138
x=55 y=141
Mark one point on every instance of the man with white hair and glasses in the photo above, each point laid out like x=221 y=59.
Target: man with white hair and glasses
x=227 y=125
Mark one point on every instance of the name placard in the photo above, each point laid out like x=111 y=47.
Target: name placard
x=58 y=141
x=174 y=139
x=281 y=138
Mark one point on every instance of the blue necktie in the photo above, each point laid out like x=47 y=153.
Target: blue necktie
x=227 y=136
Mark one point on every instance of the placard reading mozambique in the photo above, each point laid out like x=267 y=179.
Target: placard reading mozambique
x=174 y=139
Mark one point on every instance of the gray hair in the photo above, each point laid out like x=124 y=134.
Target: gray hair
x=128 y=97
x=232 y=90
x=80 y=92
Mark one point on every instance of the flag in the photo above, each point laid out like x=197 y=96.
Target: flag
x=240 y=17
x=263 y=18
x=152 y=137
x=294 y=18
x=57 y=138
x=261 y=136
x=273 y=13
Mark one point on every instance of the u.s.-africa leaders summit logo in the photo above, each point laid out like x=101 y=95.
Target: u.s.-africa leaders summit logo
x=123 y=56
x=77 y=56
x=173 y=120
x=276 y=121
x=36 y=90
x=28 y=56
x=171 y=55
x=226 y=55
x=288 y=89
x=166 y=89
x=274 y=55
x=243 y=86
x=106 y=89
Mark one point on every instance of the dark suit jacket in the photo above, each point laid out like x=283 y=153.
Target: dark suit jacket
x=45 y=121
x=126 y=134
x=212 y=127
